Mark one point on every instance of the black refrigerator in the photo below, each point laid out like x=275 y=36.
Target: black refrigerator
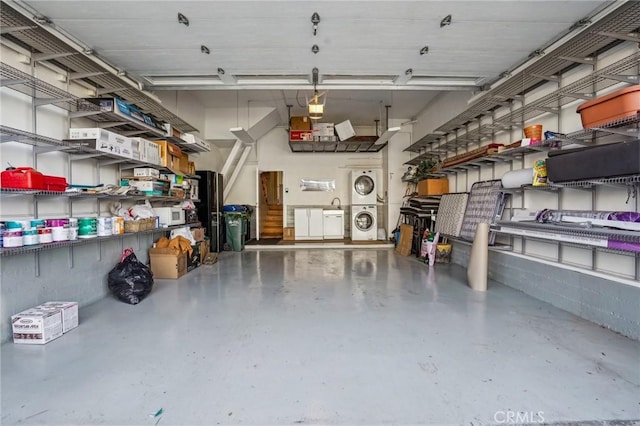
x=210 y=191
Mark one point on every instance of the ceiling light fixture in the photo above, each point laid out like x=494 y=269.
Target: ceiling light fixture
x=316 y=107
x=183 y=19
x=315 y=20
x=315 y=49
x=445 y=21
x=424 y=50
x=205 y=49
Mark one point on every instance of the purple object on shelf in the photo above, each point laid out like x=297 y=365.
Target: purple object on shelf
x=55 y=223
x=623 y=245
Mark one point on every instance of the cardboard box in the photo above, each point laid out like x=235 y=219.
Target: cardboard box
x=36 y=326
x=205 y=248
x=300 y=135
x=345 y=130
x=149 y=187
x=184 y=163
x=152 y=153
x=167 y=265
x=69 y=311
x=300 y=123
x=192 y=168
x=135 y=148
x=325 y=139
x=146 y=171
x=198 y=234
x=433 y=186
x=103 y=140
x=288 y=234
x=323 y=129
x=169 y=155
x=176 y=181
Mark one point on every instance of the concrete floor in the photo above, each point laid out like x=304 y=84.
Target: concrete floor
x=324 y=337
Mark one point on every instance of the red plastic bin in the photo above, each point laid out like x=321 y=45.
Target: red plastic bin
x=22 y=178
x=55 y=183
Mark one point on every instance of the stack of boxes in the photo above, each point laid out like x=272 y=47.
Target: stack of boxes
x=300 y=129
x=44 y=323
x=324 y=132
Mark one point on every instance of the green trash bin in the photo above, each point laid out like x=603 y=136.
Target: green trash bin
x=235 y=225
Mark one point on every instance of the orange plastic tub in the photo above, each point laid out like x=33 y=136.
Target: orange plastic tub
x=620 y=104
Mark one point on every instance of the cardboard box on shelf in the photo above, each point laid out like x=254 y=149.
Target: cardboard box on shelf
x=176 y=180
x=433 y=186
x=184 y=163
x=152 y=153
x=198 y=234
x=146 y=171
x=345 y=130
x=323 y=129
x=325 y=139
x=169 y=155
x=178 y=193
x=300 y=135
x=36 y=326
x=69 y=311
x=103 y=140
x=136 y=146
x=149 y=187
x=300 y=123
x=165 y=264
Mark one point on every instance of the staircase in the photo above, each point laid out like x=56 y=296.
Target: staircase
x=272 y=222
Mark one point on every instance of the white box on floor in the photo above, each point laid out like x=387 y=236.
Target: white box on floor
x=36 y=326
x=69 y=312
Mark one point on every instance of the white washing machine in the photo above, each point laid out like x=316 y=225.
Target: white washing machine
x=364 y=223
x=363 y=187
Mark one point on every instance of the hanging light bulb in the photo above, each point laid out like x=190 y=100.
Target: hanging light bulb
x=316 y=108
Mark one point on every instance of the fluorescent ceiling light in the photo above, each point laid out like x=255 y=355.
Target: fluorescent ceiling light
x=194 y=80
x=442 y=81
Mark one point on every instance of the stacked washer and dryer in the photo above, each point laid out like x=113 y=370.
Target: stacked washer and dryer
x=364 y=212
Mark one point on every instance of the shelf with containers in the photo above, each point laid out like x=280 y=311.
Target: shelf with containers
x=467 y=131
x=13 y=251
x=463 y=131
x=44 y=93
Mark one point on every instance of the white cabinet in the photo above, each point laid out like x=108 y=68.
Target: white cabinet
x=333 y=223
x=308 y=224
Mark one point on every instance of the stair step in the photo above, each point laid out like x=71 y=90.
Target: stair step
x=270 y=218
x=272 y=227
x=270 y=235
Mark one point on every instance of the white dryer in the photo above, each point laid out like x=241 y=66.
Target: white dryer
x=363 y=187
x=364 y=223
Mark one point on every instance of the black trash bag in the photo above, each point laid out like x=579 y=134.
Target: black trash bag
x=131 y=280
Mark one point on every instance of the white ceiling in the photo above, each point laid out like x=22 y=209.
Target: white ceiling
x=357 y=39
